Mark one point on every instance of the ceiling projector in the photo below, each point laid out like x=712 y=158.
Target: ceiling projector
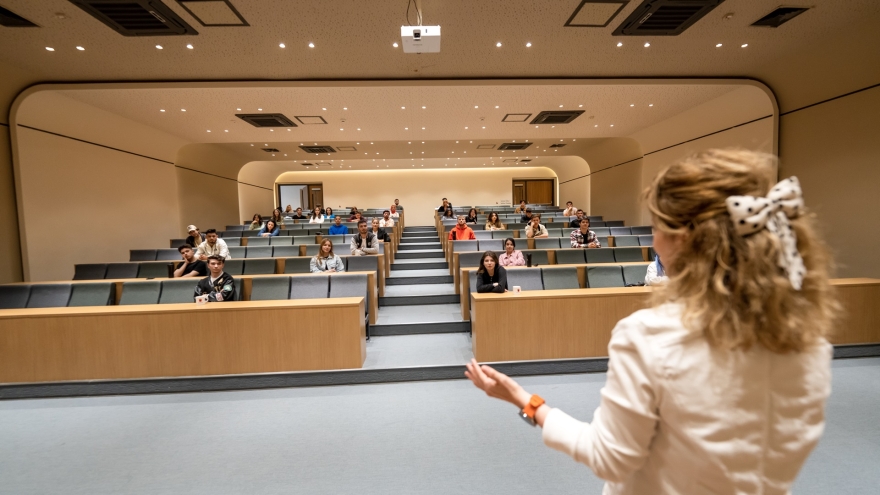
x=420 y=39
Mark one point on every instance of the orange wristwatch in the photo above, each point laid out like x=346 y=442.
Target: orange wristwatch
x=528 y=413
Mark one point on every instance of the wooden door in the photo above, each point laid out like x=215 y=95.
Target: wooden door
x=519 y=191
x=533 y=191
x=316 y=196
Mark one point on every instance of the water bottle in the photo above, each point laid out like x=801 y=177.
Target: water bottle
x=529 y=259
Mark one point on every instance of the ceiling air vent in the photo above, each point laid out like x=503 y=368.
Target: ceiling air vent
x=526 y=161
x=556 y=117
x=136 y=17
x=557 y=145
x=318 y=149
x=270 y=150
x=509 y=160
x=304 y=164
x=780 y=16
x=346 y=148
x=665 y=17
x=485 y=146
x=9 y=18
x=514 y=146
x=266 y=119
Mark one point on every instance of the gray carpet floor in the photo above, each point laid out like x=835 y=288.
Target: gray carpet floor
x=418 y=350
x=409 y=438
x=426 y=313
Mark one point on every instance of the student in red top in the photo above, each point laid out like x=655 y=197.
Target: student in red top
x=461 y=232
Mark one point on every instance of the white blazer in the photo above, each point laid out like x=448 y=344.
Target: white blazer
x=319 y=219
x=679 y=417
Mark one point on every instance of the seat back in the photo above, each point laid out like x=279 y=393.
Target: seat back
x=259 y=252
x=176 y=243
x=305 y=239
x=234 y=266
x=285 y=251
x=121 y=270
x=270 y=288
x=601 y=231
x=554 y=232
x=237 y=252
x=232 y=241
x=14 y=296
x=49 y=296
x=502 y=234
x=548 y=243
x=599 y=255
x=527 y=278
x=594 y=218
x=360 y=264
x=140 y=293
x=626 y=240
x=469 y=259
x=560 y=277
x=616 y=231
x=279 y=241
x=142 y=255
x=246 y=233
x=604 y=276
x=472 y=281
x=350 y=285
x=152 y=270
x=258 y=241
x=642 y=230
x=178 y=290
x=496 y=245
x=570 y=256
x=634 y=274
x=297 y=265
x=96 y=294
x=168 y=255
x=614 y=223
x=236 y=227
x=628 y=254
x=259 y=266
x=539 y=256
x=312 y=287
x=312 y=249
x=336 y=239
x=483 y=234
x=646 y=240
x=459 y=246
x=598 y=224
x=91 y=271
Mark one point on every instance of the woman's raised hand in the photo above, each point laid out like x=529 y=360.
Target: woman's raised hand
x=496 y=384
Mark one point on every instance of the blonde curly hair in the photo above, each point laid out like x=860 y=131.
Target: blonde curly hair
x=730 y=286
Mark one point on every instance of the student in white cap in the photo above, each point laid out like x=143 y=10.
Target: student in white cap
x=195 y=237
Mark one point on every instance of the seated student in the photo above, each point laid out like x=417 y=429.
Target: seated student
x=511 y=257
x=288 y=210
x=471 y=216
x=365 y=242
x=521 y=209
x=448 y=213
x=279 y=219
x=491 y=277
x=326 y=260
x=317 y=216
x=493 y=222
x=191 y=266
x=569 y=210
x=218 y=286
x=269 y=230
x=298 y=215
x=379 y=232
x=355 y=215
x=394 y=213
x=257 y=222
x=328 y=214
x=386 y=221
x=577 y=221
x=195 y=237
x=337 y=228
x=213 y=246
x=535 y=230
x=461 y=232
x=397 y=205
x=444 y=207
x=527 y=216
x=656 y=274
x=583 y=237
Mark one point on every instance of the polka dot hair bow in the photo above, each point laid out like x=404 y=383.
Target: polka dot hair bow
x=750 y=215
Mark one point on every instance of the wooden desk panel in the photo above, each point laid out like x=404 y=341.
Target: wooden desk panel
x=860 y=323
x=116 y=342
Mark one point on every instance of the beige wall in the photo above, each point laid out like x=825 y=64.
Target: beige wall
x=419 y=191
x=574 y=181
x=615 y=180
x=208 y=196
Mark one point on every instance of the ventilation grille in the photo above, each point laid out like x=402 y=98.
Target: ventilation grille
x=307 y=164
x=9 y=18
x=780 y=16
x=266 y=119
x=270 y=150
x=556 y=117
x=485 y=146
x=514 y=146
x=516 y=117
x=136 y=17
x=526 y=161
x=509 y=160
x=318 y=149
x=557 y=145
x=665 y=17
x=346 y=148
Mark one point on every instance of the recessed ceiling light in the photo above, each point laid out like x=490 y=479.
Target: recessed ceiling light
x=406 y=128
x=423 y=128
x=528 y=45
x=476 y=106
x=189 y=45
x=311 y=45
x=484 y=127
x=498 y=44
x=465 y=127
x=282 y=45
x=225 y=130
x=49 y=48
x=273 y=130
x=619 y=44
x=650 y=104
x=251 y=145
x=80 y=48
x=259 y=109
x=744 y=45
x=209 y=130
x=423 y=107
x=358 y=128
x=612 y=125
x=324 y=109
x=162 y=110
x=341 y=129
x=580 y=106
x=394 y=44
x=288 y=130
x=647 y=44
x=632 y=104
x=182 y=109
x=718 y=45
x=238 y=109
x=159 y=47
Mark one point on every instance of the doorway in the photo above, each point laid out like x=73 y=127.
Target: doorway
x=305 y=196
x=533 y=191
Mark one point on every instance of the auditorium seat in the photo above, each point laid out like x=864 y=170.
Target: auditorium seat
x=279 y=241
x=634 y=274
x=626 y=240
x=234 y=267
x=469 y=259
x=491 y=245
x=539 y=256
x=121 y=270
x=616 y=231
x=232 y=241
x=336 y=239
x=96 y=294
x=178 y=290
x=140 y=293
x=304 y=239
x=599 y=277
x=270 y=288
x=153 y=270
x=258 y=242
x=90 y=271
x=614 y=223
x=259 y=252
x=594 y=218
x=168 y=255
x=646 y=240
x=350 y=285
x=642 y=230
x=236 y=227
x=237 y=252
x=14 y=296
x=142 y=255
x=554 y=232
x=259 y=266
x=599 y=255
x=459 y=246
x=628 y=254
x=570 y=256
x=549 y=243
x=559 y=277
x=483 y=234
x=501 y=234
x=526 y=278
x=296 y=265
x=312 y=249
x=361 y=264
x=247 y=233
x=176 y=243
x=601 y=231
x=237 y=283
x=285 y=251
x=314 y=287
x=49 y=296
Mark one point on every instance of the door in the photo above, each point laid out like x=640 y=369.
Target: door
x=519 y=192
x=533 y=191
x=316 y=196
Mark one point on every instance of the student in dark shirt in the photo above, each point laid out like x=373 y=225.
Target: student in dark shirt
x=471 y=216
x=298 y=215
x=195 y=237
x=191 y=266
x=527 y=216
x=491 y=277
x=576 y=223
x=218 y=286
x=445 y=206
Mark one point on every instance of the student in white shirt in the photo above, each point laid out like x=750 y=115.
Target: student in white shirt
x=386 y=220
x=213 y=246
x=656 y=274
x=570 y=210
x=317 y=216
x=720 y=387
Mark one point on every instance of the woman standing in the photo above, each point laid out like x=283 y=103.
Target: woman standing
x=317 y=215
x=491 y=277
x=493 y=222
x=326 y=260
x=720 y=387
x=511 y=257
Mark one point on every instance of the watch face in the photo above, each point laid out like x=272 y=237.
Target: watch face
x=526 y=418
